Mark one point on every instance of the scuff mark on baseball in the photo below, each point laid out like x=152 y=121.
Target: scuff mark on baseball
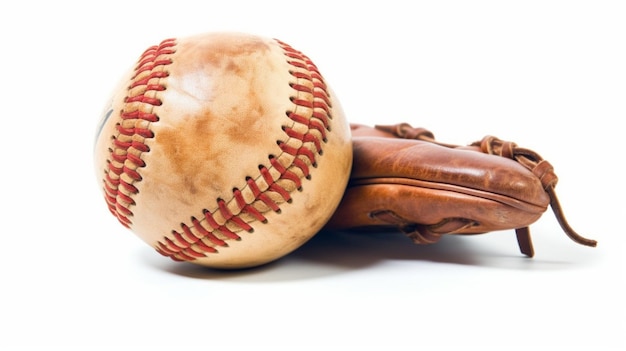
x=227 y=150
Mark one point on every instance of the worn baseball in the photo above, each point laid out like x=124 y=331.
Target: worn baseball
x=226 y=150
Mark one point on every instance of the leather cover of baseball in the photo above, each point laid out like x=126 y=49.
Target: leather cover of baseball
x=227 y=150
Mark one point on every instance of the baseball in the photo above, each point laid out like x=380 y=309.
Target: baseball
x=226 y=150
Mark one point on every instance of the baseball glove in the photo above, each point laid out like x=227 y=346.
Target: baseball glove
x=403 y=178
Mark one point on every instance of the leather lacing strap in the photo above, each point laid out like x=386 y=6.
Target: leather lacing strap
x=544 y=171
x=528 y=158
x=420 y=233
x=406 y=131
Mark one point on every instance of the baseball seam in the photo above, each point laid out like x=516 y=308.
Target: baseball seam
x=267 y=191
x=127 y=146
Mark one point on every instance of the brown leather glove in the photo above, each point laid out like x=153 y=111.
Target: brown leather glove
x=403 y=178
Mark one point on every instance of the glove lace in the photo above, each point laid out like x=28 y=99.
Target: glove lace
x=528 y=158
x=540 y=168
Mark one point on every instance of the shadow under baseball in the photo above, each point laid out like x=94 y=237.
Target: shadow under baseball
x=333 y=253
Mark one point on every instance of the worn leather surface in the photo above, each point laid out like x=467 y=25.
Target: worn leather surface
x=215 y=146
x=427 y=190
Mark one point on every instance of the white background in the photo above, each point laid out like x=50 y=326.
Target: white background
x=549 y=75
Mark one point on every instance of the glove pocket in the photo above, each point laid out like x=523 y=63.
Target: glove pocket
x=427 y=190
x=429 y=210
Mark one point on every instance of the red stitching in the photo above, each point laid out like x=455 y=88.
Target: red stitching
x=208 y=216
x=116 y=171
x=205 y=248
x=179 y=238
x=228 y=215
x=201 y=236
x=305 y=103
x=152 y=75
x=302 y=166
x=246 y=208
x=125 y=153
x=228 y=233
x=118 y=158
x=320 y=126
x=205 y=233
x=136 y=160
x=151 y=52
x=125 y=211
x=300 y=87
x=267 y=176
x=323 y=117
x=298 y=152
x=123 y=184
x=133 y=174
x=286 y=173
x=144 y=99
x=126 y=198
x=150 y=117
x=143 y=132
x=164 y=249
